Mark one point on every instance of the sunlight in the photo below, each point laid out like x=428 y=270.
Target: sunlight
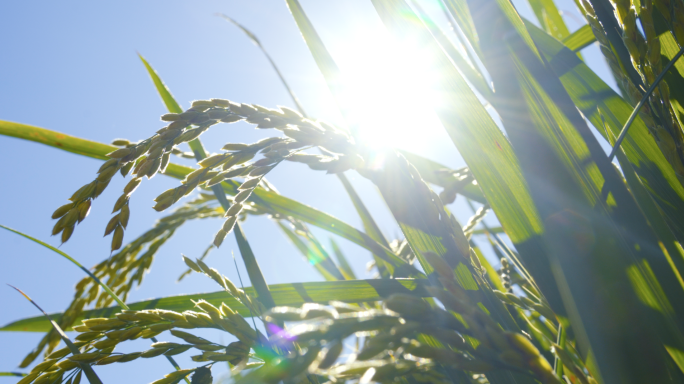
x=389 y=93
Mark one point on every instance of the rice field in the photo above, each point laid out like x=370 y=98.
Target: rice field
x=568 y=268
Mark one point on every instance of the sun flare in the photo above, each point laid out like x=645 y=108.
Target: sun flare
x=390 y=95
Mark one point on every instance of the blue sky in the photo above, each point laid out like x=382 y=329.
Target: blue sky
x=72 y=67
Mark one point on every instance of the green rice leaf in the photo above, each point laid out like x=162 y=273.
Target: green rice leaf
x=432 y=172
x=322 y=220
x=550 y=18
x=578 y=192
x=324 y=60
x=673 y=249
x=342 y=261
x=369 y=225
x=579 y=39
x=468 y=69
x=458 y=9
x=173 y=107
x=314 y=254
x=56 y=139
x=170 y=103
x=675 y=76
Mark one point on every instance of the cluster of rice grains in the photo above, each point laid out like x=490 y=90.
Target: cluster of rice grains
x=659 y=115
x=124 y=270
x=150 y=156
x=406 y=336
x=98 y=337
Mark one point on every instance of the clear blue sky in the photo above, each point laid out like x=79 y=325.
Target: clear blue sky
x=72 y=67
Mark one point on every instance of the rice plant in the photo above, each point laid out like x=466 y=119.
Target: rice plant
x=590 y=292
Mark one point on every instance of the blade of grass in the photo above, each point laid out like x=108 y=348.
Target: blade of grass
x=562 y=337
x=342 y=261
x=87 y=369
x=92 y=276
x=550 y=18
x=431 y=171
x=675 y=79
x=315 y=255
x=674 y=251
x=369 y=225
x=162 y=89
x=253 y=270
x=172 y=106
x=322 y=220
x=469 y=70
x=580 y=39
x=290 y=294
x=325 y=62
x=490 y=230
x=494 y=277
x=57 y=140
x=459 y=11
